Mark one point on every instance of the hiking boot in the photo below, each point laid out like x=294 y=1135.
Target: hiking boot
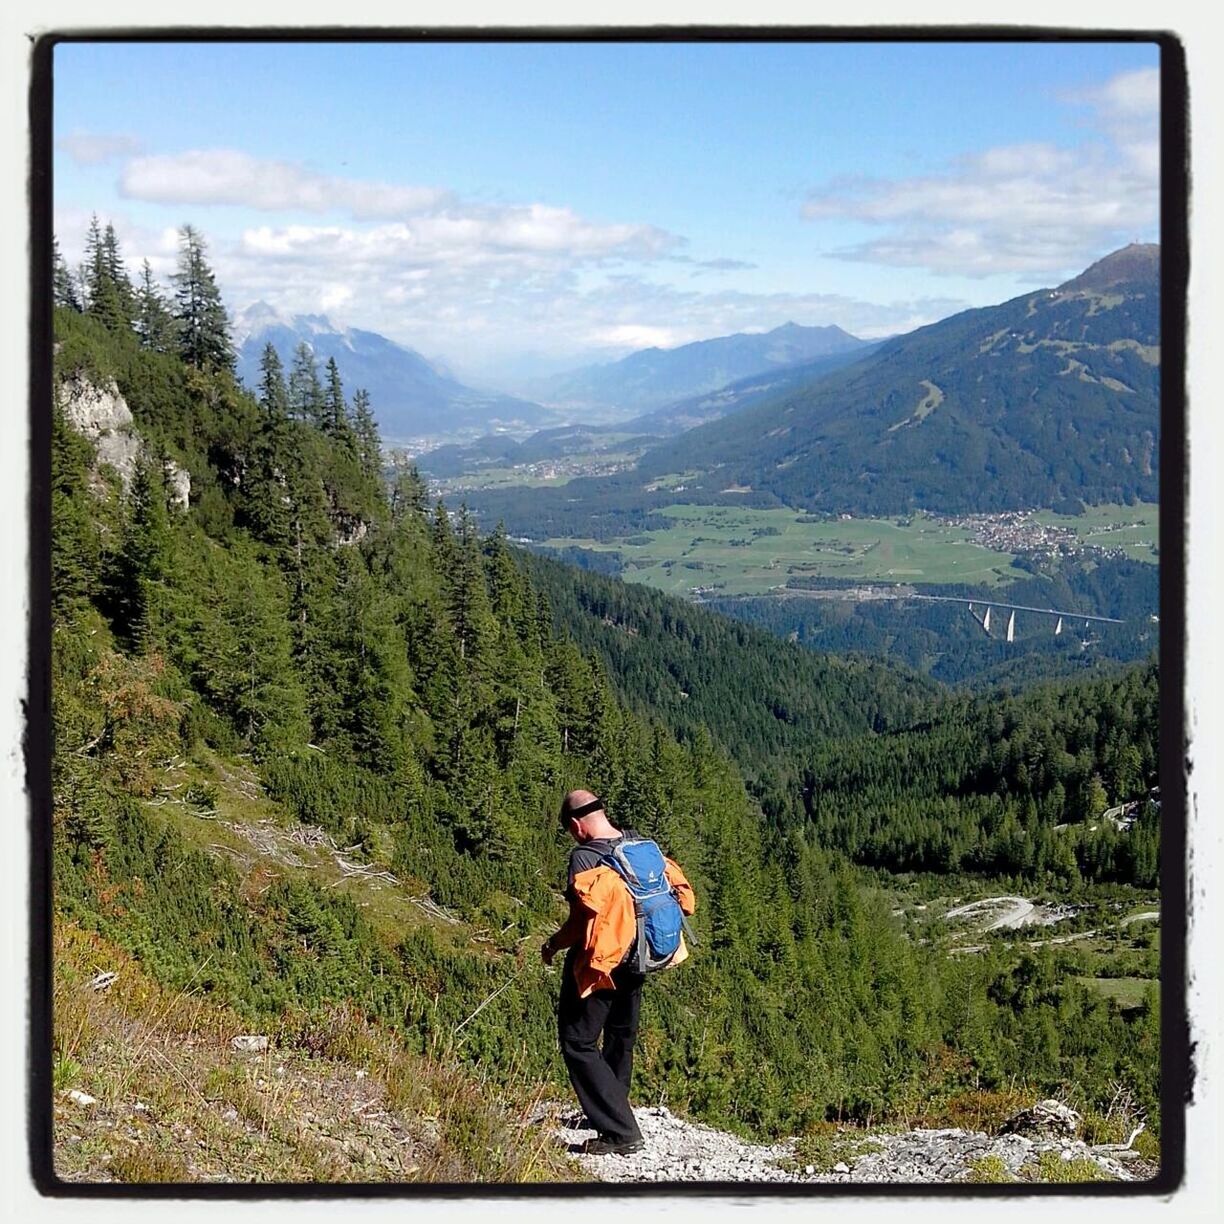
x=603 y=1146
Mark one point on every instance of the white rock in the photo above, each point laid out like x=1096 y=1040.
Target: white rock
x=102 y=415
x=841 y=1167
x=253 y=1043
x=178 y=485
x=81 y=1098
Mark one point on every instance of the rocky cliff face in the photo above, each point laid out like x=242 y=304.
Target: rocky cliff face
x=101 y=414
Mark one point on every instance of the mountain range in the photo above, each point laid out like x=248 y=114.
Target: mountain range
x=1049 y=398
x=678 y=415
x=410 y=395
x=654 y=377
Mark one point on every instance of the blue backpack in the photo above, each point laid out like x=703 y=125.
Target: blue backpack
x=639 y=862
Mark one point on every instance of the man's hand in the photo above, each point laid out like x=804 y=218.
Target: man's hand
x=547 y=951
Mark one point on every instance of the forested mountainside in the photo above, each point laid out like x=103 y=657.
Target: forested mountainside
x=1051 y=397
x=763 y=700
x=943 y=641
x=682 y=414
x=923 y=780
x=264 y=653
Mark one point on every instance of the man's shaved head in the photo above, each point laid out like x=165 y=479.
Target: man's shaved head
x=578 y=799
x=582 y=814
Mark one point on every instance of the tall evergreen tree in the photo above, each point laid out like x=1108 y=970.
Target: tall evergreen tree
x=63 y=286
x=139 y=577
x=107 y=289
x=365 y=432
x=335 y=410
x=409 y=493
x=154 y=322
x=203 y=325
x=273 y=395
x=117 y=274
x=275 y=467
x=305 y=391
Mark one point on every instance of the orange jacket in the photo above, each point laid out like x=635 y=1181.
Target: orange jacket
x=602 y=924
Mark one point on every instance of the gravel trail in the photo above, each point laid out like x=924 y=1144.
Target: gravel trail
x=680 y=1151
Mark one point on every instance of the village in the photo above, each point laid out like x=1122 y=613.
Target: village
x=1016 y=531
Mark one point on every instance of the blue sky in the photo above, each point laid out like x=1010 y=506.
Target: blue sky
x=504 y=206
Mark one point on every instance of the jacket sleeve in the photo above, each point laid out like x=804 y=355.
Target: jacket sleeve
x=680 y=886
x=573 y=930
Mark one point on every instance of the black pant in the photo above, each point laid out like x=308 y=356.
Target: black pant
x=601 y=1076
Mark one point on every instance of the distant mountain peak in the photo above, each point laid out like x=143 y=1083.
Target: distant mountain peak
x=410 y=395
x=256 y=317
x=1137 y=263
x=318 y=323
x=653 y=377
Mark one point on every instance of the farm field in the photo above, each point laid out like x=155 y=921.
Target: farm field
x=497 y=478
x=736 y=551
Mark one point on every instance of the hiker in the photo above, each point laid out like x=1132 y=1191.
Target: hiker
x=601 y=983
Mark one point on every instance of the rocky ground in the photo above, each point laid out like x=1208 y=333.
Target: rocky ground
x=681 y=1151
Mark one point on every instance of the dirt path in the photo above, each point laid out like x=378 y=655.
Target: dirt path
x=1018 y=915
x=681 y=1151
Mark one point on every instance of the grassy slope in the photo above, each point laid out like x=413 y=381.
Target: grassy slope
x=175 y=1102
x=339 y=1100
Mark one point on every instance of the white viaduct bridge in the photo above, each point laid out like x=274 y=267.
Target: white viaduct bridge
x=1012 y=609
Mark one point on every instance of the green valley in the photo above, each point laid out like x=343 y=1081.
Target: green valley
x=708 y=550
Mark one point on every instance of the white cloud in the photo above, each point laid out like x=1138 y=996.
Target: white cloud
x=428 y=223
x=229 y=176
x=484 y=288
x=97 y=148
x=1033 y=208
x=1129 y=97
x=635 y=336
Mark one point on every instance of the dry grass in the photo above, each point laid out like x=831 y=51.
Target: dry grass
x=333 y=1099
x=976 y=1109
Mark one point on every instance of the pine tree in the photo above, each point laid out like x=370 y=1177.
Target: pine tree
x=93 y=266
x=139 y=577
x=154 y=322
x=468 y=598
x=269 y=497
x=305 y=392
x=63 y=286
x=365 y=433
x=443 y=539
x=273 y=395
x=335 y=411
x=409 y=493
x=107 y=292
x=116 y=273
x=203 y=325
